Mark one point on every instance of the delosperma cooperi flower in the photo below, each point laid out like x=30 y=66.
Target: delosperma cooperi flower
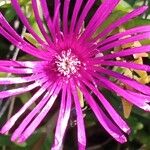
x=72 y=58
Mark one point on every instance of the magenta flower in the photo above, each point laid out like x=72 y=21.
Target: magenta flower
x=69 y=58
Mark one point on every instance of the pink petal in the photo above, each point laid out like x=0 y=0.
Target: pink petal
x=31 y=128
x=80 y=121
x=114 y=115
x=84 y=13
x=129 y=65
x=127 y=52
x=108 y=125
x=75 y=14
x=29 y=64
x=63 y=118
x=56 y=21
x=17 y=91
x=15 y=117
x=25 y=21
x=130 y=32
x=56 y=18
x=131 y=82
x=99 y=17
x=18 y=132
x=39 y=22
x=124 y=41
x=16 y=70
x=15 y=80
x=65 y=16
x=137 y=101
x=48 y=18
x=26 y=47
x=35 y=111
x=122 y=20
x=142 y=96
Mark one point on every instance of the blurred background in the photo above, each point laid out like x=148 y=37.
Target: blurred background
x=97 y=138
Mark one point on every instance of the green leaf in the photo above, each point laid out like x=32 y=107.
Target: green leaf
x=131 y=2
x=10 y=14
x=112 y=98
x=136 y=22
x=5 y=3
x=25 y=97
x=114 y=16
x=144 y=138
x=30 y=38
x=3 y=74
x=47 y=143
x=135 y=125
x=5 y=140
x=124 y=6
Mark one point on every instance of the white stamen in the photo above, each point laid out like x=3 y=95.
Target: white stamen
x=67 y=63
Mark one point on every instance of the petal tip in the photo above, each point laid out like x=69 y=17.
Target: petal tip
x=4 y=130
x=122 y=139
x=18 y=140
x=145 y=7
x=8 y=125
x=126 y=130
x=81 y=146
x=14 y=137
x=146 y=107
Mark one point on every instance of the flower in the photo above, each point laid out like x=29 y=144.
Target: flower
x=71 y=58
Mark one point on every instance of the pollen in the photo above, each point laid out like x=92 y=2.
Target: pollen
x=67 y=63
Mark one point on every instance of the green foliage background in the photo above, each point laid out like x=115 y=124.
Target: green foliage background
x=98 y=139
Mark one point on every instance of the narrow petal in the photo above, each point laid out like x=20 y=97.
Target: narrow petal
x=65 y=16
x=130 y=32
x=19 y=130
x=99 y=17
x=7 y=30
x=17 y=91
x=21 y=44
x=80 y=121
x=108 y=125
x=63 y=118
x=16 y=70
x=137 y=101
x=34 y=112
x=57 y=18
x=24 y=20
x=15 y=80
x=142 y=96
x=129 y=65
x=131 y=82
x=5 y=25
x=39 y=22
x=48 y=18
x=122 y=20
x=56 y=21
x=75 y=14
x=114 y=115
x=127 y=52
x=15 y=117
x=124 y=41
x=29 y=64
x=31 y=128
x=84 y=13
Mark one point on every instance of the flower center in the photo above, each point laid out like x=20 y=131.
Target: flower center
x=67 y=63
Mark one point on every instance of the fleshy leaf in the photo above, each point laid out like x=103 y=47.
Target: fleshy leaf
x=127 y=107
x=30 y=38
x=80 y=95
